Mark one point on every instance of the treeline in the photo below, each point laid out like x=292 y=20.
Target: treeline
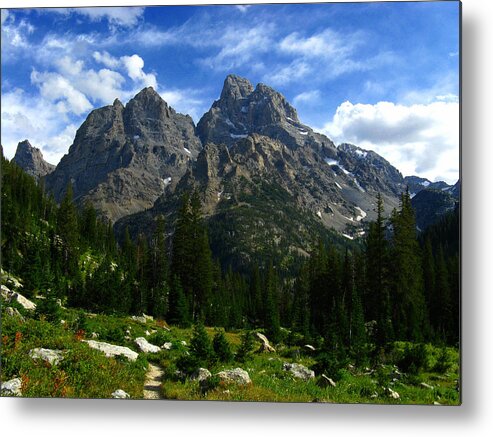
x=397 y=287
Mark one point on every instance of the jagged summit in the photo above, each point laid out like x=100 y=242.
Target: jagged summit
x=243 y=110
x=236 y=87
x=123 y=157
x=31 y=160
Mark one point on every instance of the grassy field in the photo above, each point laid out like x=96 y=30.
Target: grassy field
x=88 y=373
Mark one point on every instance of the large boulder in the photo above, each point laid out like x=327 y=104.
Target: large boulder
x=266 y=346
x=299 y=371
x=111 y=350
x=145 y=346
x=237 y=376
x=52 y=356
x=11 y=388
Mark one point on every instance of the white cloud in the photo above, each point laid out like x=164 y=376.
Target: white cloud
x=420 y=139
x=106 y=59
x=4 y=15
x=134 y=65
x=307 y=97
x=39 y=120
x=116 y=16
x=242 y=8
x=57 y=89
x=328 y=51
x=296 y=70
x=238 y=46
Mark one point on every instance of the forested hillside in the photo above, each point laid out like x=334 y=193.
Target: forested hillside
x=351 y=305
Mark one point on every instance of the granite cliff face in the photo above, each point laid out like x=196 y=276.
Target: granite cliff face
x=123 y=157
x=31 y=160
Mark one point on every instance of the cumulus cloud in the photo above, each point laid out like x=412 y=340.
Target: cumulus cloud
x=58 y=90
x=106 y=59
x=134 y=65
x=421 y=139
x=39 y=120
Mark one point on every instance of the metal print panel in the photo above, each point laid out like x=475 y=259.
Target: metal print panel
x=232 y=202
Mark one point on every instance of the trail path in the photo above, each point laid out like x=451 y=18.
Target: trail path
x=152 y=386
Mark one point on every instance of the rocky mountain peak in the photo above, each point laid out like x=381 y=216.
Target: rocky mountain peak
x=31 y=160
x=118 y=104
x=243 y=110
x=236 y=87
x=123 y=157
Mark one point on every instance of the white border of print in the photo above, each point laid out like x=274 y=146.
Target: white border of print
x=55 y=417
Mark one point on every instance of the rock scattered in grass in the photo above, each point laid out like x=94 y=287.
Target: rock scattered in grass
x=299 y=371
x=120 y=394
x=51 y=356
x=237 y=376
x=325 y=381
x=11 y=388
x=111 y=350
x=266 y=346
x=145 y=346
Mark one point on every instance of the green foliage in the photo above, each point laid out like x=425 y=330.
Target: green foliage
x=200 y=344
x=49 y=309
x=246 y=347
x=222 y=349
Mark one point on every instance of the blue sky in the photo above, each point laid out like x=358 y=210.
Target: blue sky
x=381 y=75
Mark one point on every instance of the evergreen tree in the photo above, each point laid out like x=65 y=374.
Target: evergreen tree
x=222 y=349
x=67 y=228
x=409 y=310
x=178 y=312
x=441 y=308
x=200 y=344
x=377 y=298
x=272 y=322
x=301 y=304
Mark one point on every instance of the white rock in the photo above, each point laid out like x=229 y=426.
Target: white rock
x=11 y=296
x=140 y=319
x=168 y=345
x=299 y=371
x=148 y=333
x=11 y=388
x=201 y=375
x=266 y=347
x=325 y=381
x=120 y=394
x=13 y=312
x=145 y=346
x=10 y=280
x=111 y=350
x=52 y=356
x=238 y=376
x=393 y=394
